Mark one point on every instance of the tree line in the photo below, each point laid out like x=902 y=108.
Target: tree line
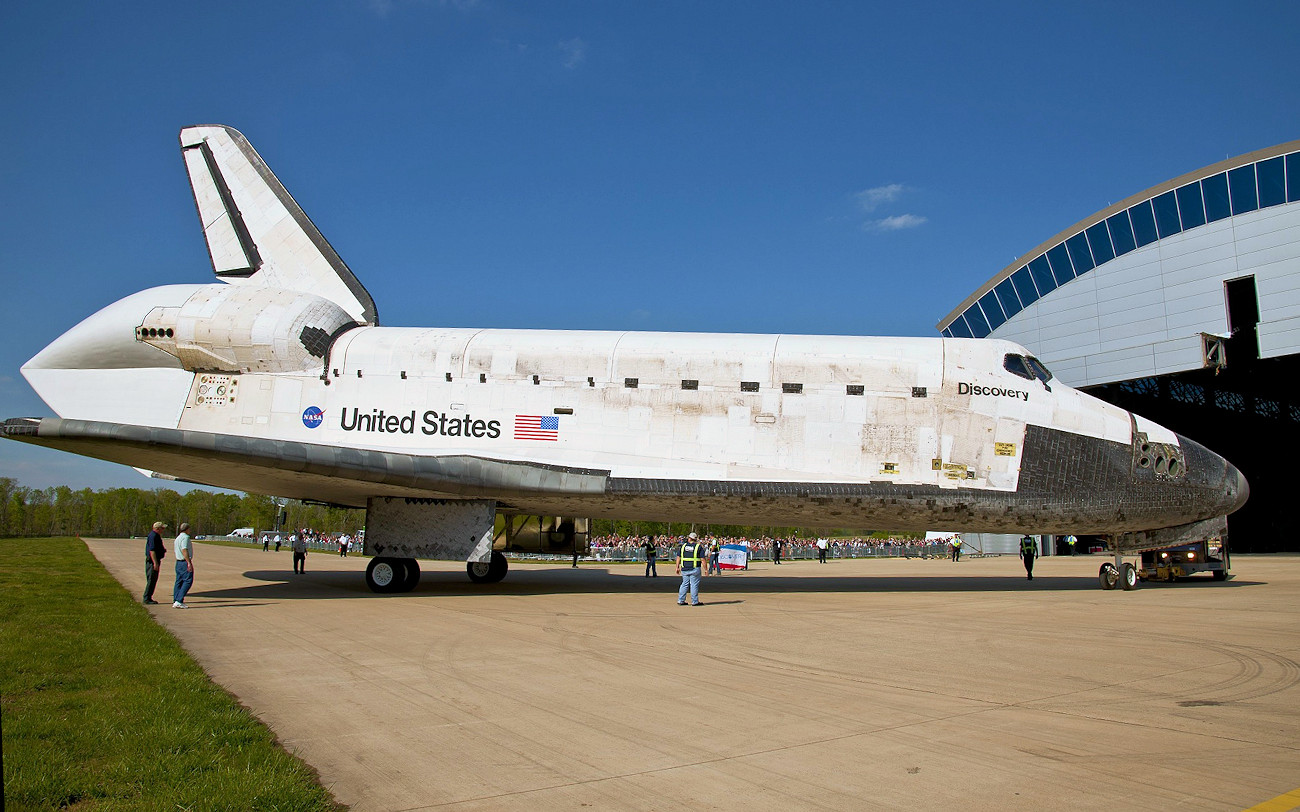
x=125 y=512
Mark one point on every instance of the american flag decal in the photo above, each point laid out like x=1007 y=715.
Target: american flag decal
x=537 y=427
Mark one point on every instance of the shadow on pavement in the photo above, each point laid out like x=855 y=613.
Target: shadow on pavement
x=285 y=585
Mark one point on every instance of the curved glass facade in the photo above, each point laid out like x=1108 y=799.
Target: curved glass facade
x=1269 y=182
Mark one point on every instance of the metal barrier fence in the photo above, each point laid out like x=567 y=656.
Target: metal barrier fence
x=666 y=554
x=313 y=545
x=760 y=553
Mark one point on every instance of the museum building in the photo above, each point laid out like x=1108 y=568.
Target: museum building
x=1180 y=303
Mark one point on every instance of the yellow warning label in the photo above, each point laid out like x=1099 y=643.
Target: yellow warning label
x=953 y=466
x=1004 y=449
x=936 y=465
x=889 y=468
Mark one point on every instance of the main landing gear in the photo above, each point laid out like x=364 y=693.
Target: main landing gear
x=387 y=575
x=488 y=572
x=392 y=574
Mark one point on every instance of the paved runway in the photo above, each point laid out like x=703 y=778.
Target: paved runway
x=851 y=685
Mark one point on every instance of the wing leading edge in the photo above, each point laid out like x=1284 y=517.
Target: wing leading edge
x=344 y=476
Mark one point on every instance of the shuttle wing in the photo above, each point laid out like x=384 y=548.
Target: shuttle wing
x=312 y=472
x=256 y=232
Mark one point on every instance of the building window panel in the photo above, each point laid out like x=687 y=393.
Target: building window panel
x=959 y=328
x=1144 y=223
x=1293 y=177
x=1190 y=206
x=992 y=310
x=1024 y=284
x=1217 y=204
x=1007 y=298
x=1079 y=253
x=1166 y=215
x=1121 y=233
x=946 y=332
x=979 y=326
x=1272 y=182
x=1099 y=240
x=1241 y=188
x=1042 y=273
x=1060 y=261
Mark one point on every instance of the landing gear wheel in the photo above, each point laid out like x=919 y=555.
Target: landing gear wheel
x=412 y=574
x=386 y=574
x=1128 y=577
x=488 y=572
x=1219 y=575
x=1108 y=576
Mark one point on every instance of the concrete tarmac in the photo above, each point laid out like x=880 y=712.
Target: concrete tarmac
x=864 y=684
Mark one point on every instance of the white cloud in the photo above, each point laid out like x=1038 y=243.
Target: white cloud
x=897 y=222
x=574 y=52
x=870 y=199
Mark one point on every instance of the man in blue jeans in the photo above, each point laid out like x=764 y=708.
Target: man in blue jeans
x=690 y=565
x=184 y=567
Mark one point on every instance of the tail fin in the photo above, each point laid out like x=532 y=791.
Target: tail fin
x=255 y=230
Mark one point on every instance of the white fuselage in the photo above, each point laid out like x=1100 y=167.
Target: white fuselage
x=677 y=406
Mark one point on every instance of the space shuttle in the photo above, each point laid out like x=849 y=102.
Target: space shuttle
x=277 y=378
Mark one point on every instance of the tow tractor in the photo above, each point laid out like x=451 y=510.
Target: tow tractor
x=1176 y=563
x=1168 y=554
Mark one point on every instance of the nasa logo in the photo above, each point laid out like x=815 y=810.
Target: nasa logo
x=312 y=417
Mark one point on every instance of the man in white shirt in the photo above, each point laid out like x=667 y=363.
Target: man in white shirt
x=184 y=566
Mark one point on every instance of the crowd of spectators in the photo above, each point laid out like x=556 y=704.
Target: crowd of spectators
x=629 y=548
x=322 y=542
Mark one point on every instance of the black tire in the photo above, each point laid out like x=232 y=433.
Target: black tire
x=1219 y=575
x=479 y=571
x=490 y=571
x=500 y=566
x=412 y=574
x=1128 y=578
x=386 y=575
x=1108 y=576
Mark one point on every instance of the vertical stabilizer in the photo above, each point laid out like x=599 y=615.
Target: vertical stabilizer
x=256 y=232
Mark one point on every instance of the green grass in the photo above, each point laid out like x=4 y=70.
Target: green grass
x=103 y=710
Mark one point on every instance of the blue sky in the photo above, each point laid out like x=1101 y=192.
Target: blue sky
x=848 y=168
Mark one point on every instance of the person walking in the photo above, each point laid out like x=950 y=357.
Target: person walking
x=822 y=546
x=266 y=542
x=299 y=545
x=651 y=555
x=184 y=567
x=1028 y=552
x=154 y=552
x=344 y=543
x=714 y=552
x=690 y=564
x=776 y=550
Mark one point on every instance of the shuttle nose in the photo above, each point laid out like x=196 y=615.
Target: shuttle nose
x=1238 y=491
x=1224 y=488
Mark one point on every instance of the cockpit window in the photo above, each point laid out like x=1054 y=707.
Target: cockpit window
x=1017 y=365
x=1041 y=372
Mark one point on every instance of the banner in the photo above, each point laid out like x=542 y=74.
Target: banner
x=733 y=556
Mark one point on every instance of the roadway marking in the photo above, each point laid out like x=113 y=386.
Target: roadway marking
x=1282 y=803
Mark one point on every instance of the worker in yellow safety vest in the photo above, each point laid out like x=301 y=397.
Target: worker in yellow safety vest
x=1028 y=552
x=690 y=565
